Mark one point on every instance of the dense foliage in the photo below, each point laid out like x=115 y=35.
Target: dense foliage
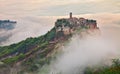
x=64 y=22
x=15 y=52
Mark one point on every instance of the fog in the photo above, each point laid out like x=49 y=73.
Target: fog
x=34 y=26
x=81 y=53
x=84 y=52
x=34 y=18
x=26 y=27
x=89 y=50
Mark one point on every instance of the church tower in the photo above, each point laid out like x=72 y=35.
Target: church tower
x=70 y=15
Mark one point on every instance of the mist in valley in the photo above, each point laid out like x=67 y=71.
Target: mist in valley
x=80 y=52
x=36 y=17
x=26 y=27
x=90 y=50
x=83 y=52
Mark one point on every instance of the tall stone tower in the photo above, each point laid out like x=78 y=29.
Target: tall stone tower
x=70 y=15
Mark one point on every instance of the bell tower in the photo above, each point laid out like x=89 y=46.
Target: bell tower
x=70 y=15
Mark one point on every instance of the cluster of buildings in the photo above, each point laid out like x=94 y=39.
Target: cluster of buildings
x=68 y=25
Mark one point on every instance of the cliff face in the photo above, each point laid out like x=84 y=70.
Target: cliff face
x=26 y=53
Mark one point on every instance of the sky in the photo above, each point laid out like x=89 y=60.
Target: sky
x=57 y=7
x=36 y=17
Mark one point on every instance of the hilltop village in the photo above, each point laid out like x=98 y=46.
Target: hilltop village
x=66 y=26
x=24 y=53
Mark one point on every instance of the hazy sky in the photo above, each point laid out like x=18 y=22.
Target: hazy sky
x=57 y=7
x=36 y=17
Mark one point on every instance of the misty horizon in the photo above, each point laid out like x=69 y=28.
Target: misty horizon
x=35 y=18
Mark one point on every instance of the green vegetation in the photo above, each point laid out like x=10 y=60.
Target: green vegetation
x=50 y=35
x=113 y=69
x=41 y=48
x=14 y=59
x=61 y=22
x=14 y=52
x=33 y=51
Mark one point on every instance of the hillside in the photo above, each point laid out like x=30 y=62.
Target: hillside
x=33 y=53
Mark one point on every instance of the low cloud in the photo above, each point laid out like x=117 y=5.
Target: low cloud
x=4 y=38
x=83 y=52
x=91 y=50
x=33 y=26
x=28 y=26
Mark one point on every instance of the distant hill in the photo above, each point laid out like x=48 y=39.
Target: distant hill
x=7 y=24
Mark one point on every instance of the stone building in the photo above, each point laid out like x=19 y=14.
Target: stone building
x=68 y=25
x=91 y=24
